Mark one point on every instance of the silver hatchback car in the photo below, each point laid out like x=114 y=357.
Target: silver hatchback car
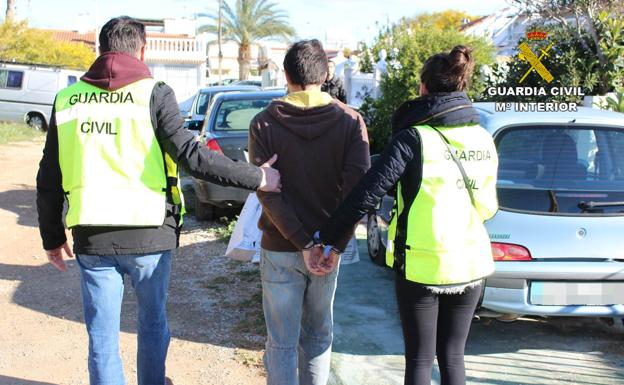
x=556 y=238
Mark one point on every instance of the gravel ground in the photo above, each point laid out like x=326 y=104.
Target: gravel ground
x=214 y=303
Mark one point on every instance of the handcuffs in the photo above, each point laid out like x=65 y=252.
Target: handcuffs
x=317 y=242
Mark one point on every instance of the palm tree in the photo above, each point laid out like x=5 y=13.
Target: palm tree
x=249 y=22
x=10 y=10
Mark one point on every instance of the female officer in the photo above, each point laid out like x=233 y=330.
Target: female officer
x=443 y=164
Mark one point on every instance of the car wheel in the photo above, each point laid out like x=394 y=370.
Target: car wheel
x=204 y=211
x=36 y=121
x=376 y=249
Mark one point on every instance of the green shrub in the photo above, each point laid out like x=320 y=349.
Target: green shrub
x=614 y=103
x=570 y=63
x=19 y=43
x=225 y=228
x=415 y=44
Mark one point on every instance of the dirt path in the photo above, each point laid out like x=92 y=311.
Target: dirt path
x=214 y=310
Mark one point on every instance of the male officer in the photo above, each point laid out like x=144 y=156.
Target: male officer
x=113 y=147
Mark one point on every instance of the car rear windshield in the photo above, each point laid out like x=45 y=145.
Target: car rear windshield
x=561 y=169
x=235 y=115
x=202 y=103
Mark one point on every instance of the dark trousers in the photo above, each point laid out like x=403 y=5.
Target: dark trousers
x=435 y=324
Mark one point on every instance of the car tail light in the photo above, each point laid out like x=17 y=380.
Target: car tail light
x=510 y=252
x=214 y=146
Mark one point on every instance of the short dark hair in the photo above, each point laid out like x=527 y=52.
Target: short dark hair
x=122 y=34
x=448 y=72
x=306 y=63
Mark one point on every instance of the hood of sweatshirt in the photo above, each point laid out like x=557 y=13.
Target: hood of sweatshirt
x=114 y=70
x=308 y=114
x=441 y=109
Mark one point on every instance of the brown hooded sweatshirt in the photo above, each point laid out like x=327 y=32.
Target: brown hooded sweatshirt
x=323 y=151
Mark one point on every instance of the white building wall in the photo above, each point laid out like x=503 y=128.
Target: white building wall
x=274 y=51
x=179 y=62
x=185 y=80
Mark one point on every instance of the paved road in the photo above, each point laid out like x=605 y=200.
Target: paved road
x=368 y=345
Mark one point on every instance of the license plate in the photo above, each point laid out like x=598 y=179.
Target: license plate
x=577 y=293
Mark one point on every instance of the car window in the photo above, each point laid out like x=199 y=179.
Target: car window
x=203 y=99
x=557 y=168
x=235 y=115
x=11 y=79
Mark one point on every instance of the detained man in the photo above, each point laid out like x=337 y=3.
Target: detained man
x=297 y=295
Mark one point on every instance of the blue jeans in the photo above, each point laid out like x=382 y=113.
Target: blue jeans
x=298 y=309
x=102 y=293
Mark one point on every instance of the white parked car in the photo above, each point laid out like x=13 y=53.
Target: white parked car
x=556 y=238
x=27 y=92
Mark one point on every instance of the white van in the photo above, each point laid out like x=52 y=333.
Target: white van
x=27 y=92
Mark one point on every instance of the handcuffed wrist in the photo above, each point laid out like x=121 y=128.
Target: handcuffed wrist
x=332 y=249
x=315 y=242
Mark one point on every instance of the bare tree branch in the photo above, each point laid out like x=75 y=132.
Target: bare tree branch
x=583 y=11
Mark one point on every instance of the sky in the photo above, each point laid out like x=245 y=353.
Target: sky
x=348 y=20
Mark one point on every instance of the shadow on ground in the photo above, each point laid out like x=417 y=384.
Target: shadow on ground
x=22 y=202
x=212 y=299
x=4 y=380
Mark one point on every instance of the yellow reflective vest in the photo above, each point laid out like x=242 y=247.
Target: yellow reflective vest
x=113 y=169
x=446 y=242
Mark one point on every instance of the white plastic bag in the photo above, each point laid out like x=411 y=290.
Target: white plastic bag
x=351 y=253
x=244 y=243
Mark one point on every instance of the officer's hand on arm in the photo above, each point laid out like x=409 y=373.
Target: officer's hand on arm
x=55 y=256
x=271 y=178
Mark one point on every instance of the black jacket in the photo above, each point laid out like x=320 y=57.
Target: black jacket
x=179 y=143
x=335 y=88
x=400 y=161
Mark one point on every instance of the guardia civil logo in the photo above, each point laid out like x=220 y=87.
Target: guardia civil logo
x=534 y=53
x=531 y=55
